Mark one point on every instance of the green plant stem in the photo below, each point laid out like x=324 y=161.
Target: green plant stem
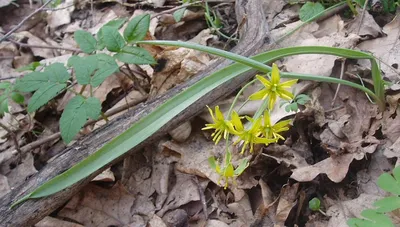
x=346 y=53
x=238 y=94
x=82 y=89
x=353 y=10
x=104 y=117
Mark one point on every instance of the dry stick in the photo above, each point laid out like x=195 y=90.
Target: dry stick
x=44 y=46
x=202 y=197
x=135 y=80
x=14 y=138
x=362 y=17
x=109 y=113
x=56 y=9
x=6 y=36
x=338 y=87
x=174 y=9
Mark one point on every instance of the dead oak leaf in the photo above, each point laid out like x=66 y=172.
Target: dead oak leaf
x=97 y=206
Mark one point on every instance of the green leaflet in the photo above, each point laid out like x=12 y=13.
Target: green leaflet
x=75 y=115
x=112 y=39
x=87 y=43
x=84 y=67
x=135 y=55
x=137 y=28
x=152 y=122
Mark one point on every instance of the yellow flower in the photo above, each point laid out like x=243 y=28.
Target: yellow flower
x=222 y=127
x=272 y=131
x=251 y=136
x=273 y=88
x=227 y=172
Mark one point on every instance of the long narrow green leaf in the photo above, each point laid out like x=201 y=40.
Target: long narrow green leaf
x=149 y=124
x=290 y=51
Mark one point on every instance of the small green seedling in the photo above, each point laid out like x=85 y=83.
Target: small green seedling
x=293 y=105
x=315 y=205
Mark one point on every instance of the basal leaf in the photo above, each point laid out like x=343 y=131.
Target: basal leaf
x=388 y=204
x=92 y=107
x=31 y=82
x=57 y=73
x=179 y=14
x=310 y=9
x=47 y=91
x=229 y=171
x=137 y=28
x=135 y=55
x=5 y=85
x=243 y=165
x=112 y=39
x=86 y=41
x=117 y=23
x=3 y=104
x=389 y=184
x=212 y=162
x=107 y=66
x=73 y=118
x=17 y=97
x=84 y=67
x=31 y=67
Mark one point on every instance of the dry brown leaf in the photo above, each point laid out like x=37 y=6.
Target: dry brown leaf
x=242 y=209
x=285 y=154
x=51 y=222
x=335 y=168
x=4 y=187
x=386 y=48
x=286 y=202
x=184 y=191
x=24 y=170
x=272 y=8
x=8 y=51
x=33 y=40
x=369 y=27
x=284 y=17
x=156 y=221
x=105 y=176
x=343 y=210
x=96 y=206
x=61 y=16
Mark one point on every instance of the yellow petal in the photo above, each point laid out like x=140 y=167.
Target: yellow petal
x=267 y=84
x=267 y=119
x=272 y=100
x=285 y=94
x=275 y=78
x=236 y=121
x=288 y=84
x=260 y=95
x=211 y=113
x=219 y=114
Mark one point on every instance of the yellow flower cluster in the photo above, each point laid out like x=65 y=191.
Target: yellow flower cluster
x=261 y=131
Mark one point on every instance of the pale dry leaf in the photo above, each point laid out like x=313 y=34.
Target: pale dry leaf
x=216 y=223
x=286 y=202
x=62 y=15
x=4 y=187
x=33 y=40
x=141 y=182
x=5 y=2
x=184 y=191
x=386 y=48
x=242 y=209
x=19 y=174
x=285 y=154
x=105 y=176
x=343 y=210
x=51 y=222
x=8 y=50
x=286 y=16
x=329 y=26
x=272 y=8
x=96 y=206
x=156 y=221
x=369 y=27
x=335 y=168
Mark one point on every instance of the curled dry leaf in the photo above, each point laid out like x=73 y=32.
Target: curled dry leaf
x=369 y=27
x=386 y=48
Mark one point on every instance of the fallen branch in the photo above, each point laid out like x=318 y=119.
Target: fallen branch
x=253 y=37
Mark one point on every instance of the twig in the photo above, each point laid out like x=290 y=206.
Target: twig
x=14 y=138
x=6 y=57
x=23 y=21
x=135 y=80
x=56 y=9
x=174 y=9
x=338 y=87
x=44 y=46
x=362 y=17
x=202 y=197
x=109 y=113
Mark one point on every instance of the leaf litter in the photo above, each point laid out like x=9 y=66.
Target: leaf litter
x=171 y=183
